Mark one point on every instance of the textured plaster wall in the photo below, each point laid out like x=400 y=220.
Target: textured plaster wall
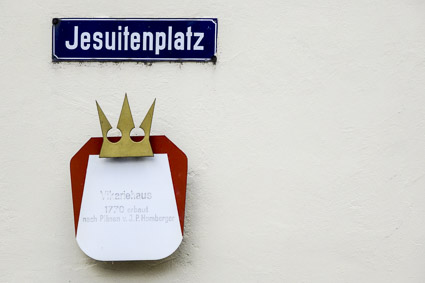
x=306 y=141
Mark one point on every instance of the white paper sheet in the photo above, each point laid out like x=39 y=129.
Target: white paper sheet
x=128 y=210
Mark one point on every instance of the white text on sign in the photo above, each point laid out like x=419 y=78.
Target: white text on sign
x=123 y=39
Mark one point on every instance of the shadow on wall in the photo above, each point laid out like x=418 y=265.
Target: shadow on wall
x=152 y=266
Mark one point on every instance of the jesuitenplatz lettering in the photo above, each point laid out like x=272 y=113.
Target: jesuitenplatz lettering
x=125 y=39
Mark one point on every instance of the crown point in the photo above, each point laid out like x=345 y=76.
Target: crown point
x=147 y=122
x=125 y=122
x=104 y=123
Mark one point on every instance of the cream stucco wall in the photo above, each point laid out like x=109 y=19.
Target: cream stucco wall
x=306 y=141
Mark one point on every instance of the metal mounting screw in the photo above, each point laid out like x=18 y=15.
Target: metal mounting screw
x=55 y=21
x=214 y=59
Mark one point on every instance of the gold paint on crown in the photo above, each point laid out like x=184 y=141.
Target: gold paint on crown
x=126 y=147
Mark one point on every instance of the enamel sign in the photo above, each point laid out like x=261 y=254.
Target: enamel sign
x=84 y=39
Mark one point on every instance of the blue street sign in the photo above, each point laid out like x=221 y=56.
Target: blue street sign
x=134 y=39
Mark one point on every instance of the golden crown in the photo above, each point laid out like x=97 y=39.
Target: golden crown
x=126 y=147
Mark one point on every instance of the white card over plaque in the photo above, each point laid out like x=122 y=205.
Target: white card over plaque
x=128 y=209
